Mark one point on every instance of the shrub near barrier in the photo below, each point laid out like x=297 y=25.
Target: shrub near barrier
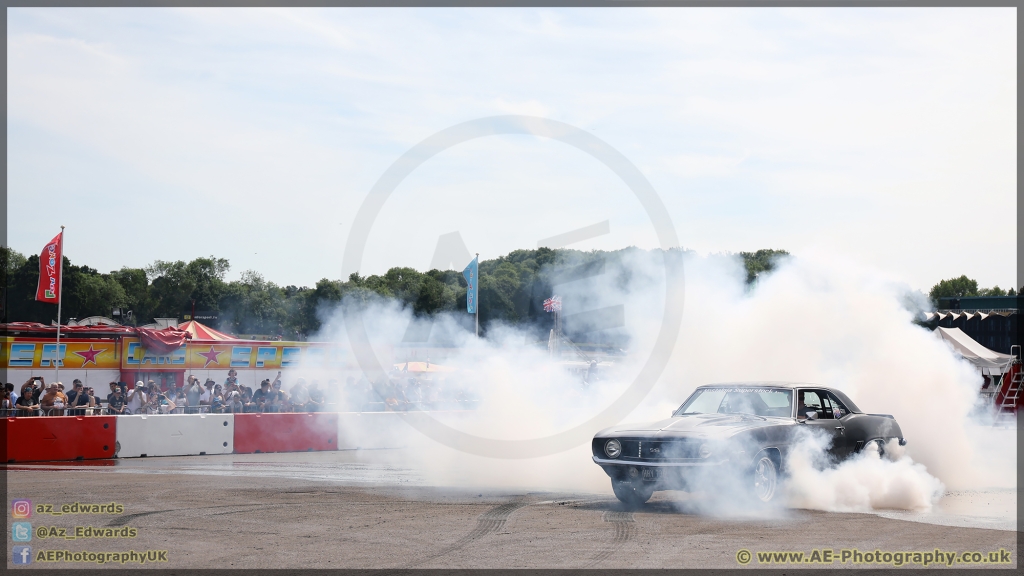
x=175 y=435
x=285 y=432
x=42 y=439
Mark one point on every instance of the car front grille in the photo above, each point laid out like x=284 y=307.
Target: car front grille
x=636 y=450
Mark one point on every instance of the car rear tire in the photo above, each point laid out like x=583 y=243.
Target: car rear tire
x=632 y=494
x=765 y=477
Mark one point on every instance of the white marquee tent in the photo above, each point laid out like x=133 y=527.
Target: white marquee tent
x=990 y=362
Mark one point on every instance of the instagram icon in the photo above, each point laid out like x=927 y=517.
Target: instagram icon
x=21 y=508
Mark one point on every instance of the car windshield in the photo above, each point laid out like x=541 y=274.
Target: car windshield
x=756 y=401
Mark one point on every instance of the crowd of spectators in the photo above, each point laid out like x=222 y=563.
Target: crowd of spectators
x=396 y=393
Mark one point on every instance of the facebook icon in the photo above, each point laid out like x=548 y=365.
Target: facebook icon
x=21 y=555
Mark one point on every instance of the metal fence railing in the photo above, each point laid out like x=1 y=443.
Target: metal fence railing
x=104 y=409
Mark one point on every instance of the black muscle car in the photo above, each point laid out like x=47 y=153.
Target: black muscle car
x=734 y=433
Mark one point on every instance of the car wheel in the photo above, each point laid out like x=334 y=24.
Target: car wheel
x=765 y=478
x=881 y=446
x=632 y=494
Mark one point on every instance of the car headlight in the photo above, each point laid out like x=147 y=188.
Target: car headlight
x=704 y=451
x=612 y=448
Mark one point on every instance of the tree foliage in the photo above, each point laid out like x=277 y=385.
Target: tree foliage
x=760 y=262
x=512 y=288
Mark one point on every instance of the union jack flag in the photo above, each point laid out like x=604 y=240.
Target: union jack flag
x=553 y=304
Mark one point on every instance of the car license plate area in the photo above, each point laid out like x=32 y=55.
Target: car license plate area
x=650 y=473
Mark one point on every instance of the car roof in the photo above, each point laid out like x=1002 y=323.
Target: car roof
x=763 y=384
x=786 y=385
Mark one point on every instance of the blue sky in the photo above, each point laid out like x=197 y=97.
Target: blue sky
x=886 y=136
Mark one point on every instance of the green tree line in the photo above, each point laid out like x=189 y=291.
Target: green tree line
x=964 y=286
x=512 y=288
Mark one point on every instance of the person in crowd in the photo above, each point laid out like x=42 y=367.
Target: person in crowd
x=53 y=401
x=93 y=406
x=234 y=403
x=261 y=398
x=299 y=396
x=136 y=398
x=11 y=393
x=162 y=404
x=5 y=402
x=279 y=400
x=206 y=398
x=26 y=405
x=247 y=404
x=72 y=395
x=35 y=386
x=78 y=399
x=217 y=399
x=316 y=398
x=115 y=400
x=192 y=394
x=231 y=382
x=152 y=404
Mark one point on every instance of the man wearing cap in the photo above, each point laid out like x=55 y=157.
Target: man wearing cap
x=137 y=398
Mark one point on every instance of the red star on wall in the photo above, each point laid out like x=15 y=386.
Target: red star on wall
x=89 y=355
x=211 y=356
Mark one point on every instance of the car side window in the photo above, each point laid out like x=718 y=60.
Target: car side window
x=809 y=401
x=814 y=401
x=826 y=405
x=839 y=409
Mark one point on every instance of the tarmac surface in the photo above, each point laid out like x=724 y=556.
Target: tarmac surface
x=346 y=510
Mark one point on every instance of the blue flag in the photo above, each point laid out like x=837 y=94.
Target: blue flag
x=473 y=290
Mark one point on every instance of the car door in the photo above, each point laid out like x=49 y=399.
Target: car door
x=846 y=442
x=824 y=421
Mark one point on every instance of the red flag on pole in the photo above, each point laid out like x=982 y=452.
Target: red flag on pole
x=48 y=289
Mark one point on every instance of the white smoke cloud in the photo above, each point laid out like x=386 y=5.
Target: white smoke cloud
x=817 y=318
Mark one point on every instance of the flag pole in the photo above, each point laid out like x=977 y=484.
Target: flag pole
x=60 y=298
x=477 y=311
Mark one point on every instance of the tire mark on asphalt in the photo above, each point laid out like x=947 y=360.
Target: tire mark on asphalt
x=489 y=522
x=625 y=528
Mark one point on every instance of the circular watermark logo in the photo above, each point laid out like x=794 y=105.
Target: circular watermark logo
x=743 y=557
x=582 y=140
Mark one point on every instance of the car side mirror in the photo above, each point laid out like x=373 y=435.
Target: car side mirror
x=812 y=415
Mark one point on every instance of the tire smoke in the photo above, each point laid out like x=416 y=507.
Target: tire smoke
x=817 y=318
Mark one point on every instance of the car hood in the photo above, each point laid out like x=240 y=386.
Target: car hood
x=697 y=425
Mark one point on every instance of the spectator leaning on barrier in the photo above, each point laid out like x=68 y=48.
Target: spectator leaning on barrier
x=53 y=401
x=261 y=398
x=26 y=405
x=5 y=402
x=115 y=400
x=78 y=398
x=136 y=398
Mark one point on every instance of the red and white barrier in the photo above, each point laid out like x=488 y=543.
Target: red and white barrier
x=40 y=439
x=288 y=432
x=175 y=435
x=46 y=438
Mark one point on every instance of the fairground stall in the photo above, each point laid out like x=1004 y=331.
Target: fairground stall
x=101 y=354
